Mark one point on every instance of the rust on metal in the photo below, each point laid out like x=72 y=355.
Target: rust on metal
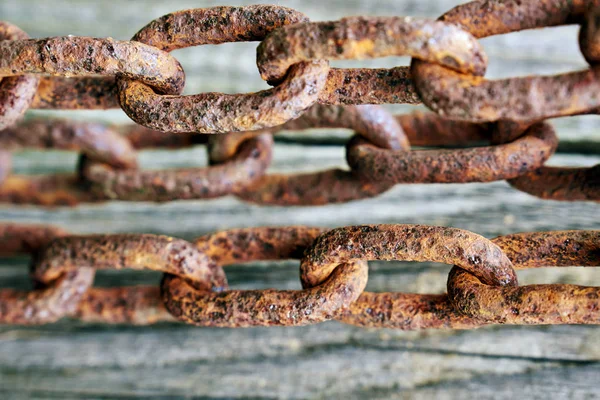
x=252 y=244
x=500 y=122
x=404 y=243
x=552 y=183
x=45 y=190
x=369 y=37
x=134 y=305
x=471 y=98
x=26 y=239
x=311 y=189
x=57 y=298
x=561 y=183
x=76 y=93
x=405 y=311
x=429 y=129
x=218 y=112
x=369 y=86
x=371 y=122
x=247 y=166
x=242 y=308
x=331 y=186
x=135 y=251
x=478 y=164
x=16 y=92
x=553 y=248
x=70 y=56
x=95 y=140
x=533 y=304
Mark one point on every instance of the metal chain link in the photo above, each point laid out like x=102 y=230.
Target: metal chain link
x=482 y=286
x=446 y=74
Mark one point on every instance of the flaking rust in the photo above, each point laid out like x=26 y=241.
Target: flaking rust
x=76 y=93
x=369 y=37
x=482 y=286
x=478 y=164
x=561 y=183
x=82 y=56
x=405 y=243
x=59 y=296
x=136 y=251
x=471 y=98
x=293 y=53
x=533 y=304
x=243 y=308
x=446 y=73
x=218 y=112
x=16 y=92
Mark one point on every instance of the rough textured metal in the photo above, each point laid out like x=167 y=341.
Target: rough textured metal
x=554 y=248
x=406 y=243
x=534 y=304
x=59 y=294
x=134 y=305
x=242 y=308
x=368 y=37
x=405 y=311
x=136 y=251
x=479 y=164
x=482 y=286
x=95 y=140
x=369 y=86
x=331 y=186
x=70 y=56
x=553 y=183
x=247 y=166
x=218 y=112
x=16 y=92
x=561 y=183
x=472 y=98
x=77 y=93
x=470 y=251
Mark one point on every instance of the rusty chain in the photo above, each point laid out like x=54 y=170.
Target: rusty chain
x=482 y=286
x=446 y=74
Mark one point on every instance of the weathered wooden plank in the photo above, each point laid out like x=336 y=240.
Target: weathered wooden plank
x=71 y=360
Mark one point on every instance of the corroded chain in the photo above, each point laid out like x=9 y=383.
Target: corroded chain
x=446 y=75
x=482 y=286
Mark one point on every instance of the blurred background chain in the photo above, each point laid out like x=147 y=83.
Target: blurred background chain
x=446 y=74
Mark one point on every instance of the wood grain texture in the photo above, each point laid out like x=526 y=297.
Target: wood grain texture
x=71 y=360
